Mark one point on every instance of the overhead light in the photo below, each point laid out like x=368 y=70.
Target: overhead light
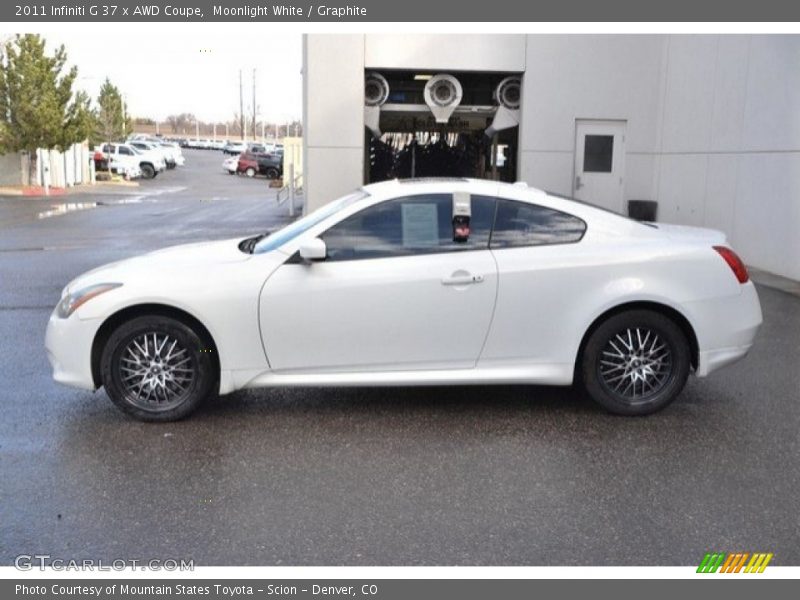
x=422 y=77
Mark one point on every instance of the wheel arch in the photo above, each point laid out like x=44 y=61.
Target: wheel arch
x=140 y=310
x=664 y=309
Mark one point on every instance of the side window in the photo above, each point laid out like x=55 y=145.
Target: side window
x=124 y=150
x=407 y=226
x=522 y=224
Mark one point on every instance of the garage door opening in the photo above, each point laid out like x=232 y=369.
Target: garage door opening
x=431 y=124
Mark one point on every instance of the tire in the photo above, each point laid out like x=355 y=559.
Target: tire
x=148 y=172
x=636 y=362
x=272 y=173
x=157 y=368
x=250 y=172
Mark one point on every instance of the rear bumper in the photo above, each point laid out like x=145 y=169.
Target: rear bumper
x=725 y=328
x=711 y=360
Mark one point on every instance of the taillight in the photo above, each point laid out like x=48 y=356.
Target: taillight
x=734 y=262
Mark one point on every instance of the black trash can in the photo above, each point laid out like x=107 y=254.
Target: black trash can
x=643 y=210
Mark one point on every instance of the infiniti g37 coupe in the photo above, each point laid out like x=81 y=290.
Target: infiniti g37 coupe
x=418 y=282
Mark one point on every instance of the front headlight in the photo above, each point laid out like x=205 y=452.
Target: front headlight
x=70 y=302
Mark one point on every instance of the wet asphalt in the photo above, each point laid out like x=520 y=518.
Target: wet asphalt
x=514 y=475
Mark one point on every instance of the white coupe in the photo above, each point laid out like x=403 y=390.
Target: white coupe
x=418 y=282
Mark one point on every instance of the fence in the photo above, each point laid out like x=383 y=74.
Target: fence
x=63 y=169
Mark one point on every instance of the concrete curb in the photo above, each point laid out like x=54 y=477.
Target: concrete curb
x=771 y=280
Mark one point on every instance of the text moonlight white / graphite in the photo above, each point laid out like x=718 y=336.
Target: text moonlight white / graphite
x=254 y=11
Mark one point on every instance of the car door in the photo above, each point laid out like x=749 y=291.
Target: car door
x=394 y=293
x=545 y=281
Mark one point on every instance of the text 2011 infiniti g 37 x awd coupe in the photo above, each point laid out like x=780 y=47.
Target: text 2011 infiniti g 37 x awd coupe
x=414 y=282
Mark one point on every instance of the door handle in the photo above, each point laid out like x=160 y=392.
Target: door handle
x=578 y=182
x=462 y=279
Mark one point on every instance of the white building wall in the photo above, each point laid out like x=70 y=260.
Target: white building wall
x=333 y=116
x=713 y=121
x=571 y=77
x=456 y=52
x=729 y=156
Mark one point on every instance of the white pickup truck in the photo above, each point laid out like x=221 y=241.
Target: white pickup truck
x=170 y=158
x=150 y=162
x=171 y=151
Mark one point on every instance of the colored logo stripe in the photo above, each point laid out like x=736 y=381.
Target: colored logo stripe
x=734 y=562
x=711 y=562
x=758 y=563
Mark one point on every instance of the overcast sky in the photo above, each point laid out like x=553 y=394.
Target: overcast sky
x=196 y=72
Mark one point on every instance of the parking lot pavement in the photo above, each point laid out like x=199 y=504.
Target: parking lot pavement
x=456 y=475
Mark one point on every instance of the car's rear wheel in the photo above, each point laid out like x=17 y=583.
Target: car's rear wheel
x=250 y=172
x=157 y=368
x=273 y=173
x=148 y=172
x=636 y=362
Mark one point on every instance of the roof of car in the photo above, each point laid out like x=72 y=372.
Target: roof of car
x=478 y=186
x=517 y=191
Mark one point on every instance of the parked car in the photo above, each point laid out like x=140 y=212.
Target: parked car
x=414 y=282
x=273 y=148
x=200 y=144
x=119 y=164
x=167 y=155
x=230 y=164
x=234 y=148
x=171 y=150
x=257 y=148
x=151 y=163
x=252 y=164
x=175 y=151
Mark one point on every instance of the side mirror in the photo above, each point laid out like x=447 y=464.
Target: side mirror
x=313 y=249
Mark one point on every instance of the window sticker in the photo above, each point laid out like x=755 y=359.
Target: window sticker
x=420 y=225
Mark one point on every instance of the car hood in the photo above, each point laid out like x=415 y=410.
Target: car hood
x=201 y=256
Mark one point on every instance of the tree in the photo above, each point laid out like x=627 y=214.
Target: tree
x=113 y=122
x=179 y=123
x=37 y=106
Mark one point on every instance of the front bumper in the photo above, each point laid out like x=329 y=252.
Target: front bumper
x=68 y=343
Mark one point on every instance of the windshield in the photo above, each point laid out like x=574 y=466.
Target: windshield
x=280 y=237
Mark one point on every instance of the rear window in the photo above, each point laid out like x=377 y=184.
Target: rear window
x=523 y=224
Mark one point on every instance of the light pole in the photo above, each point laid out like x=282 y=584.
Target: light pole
x=124 y=116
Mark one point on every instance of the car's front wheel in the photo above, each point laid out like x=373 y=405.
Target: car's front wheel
x=250 y=172
x=148 y=172
x=157 y=368
x=272 y=173
x=636 y=362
